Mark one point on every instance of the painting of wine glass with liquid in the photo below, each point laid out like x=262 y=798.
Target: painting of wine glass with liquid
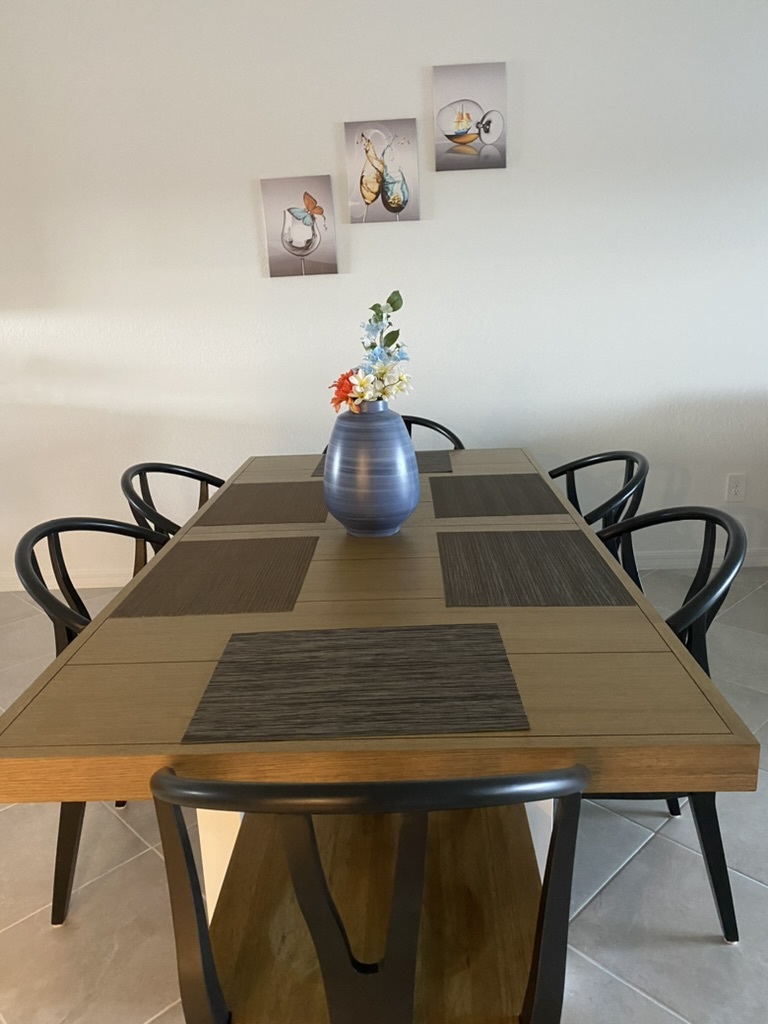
x=298 y=216
x=382 y=170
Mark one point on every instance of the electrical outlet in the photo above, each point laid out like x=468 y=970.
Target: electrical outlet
x=736 y=487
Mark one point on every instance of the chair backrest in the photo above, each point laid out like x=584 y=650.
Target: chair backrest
x=70 y=616
x=621 y=505
x=141 y=502
x=419 y=421
x=354 y=990
x=708 y=588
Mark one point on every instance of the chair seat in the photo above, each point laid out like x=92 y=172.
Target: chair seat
x=481 y=898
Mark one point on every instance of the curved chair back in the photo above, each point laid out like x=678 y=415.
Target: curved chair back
x=356 y=990
x=70 y=616
x=141 y=502
x=420 y=421
x=708 y=589
x=621 y=505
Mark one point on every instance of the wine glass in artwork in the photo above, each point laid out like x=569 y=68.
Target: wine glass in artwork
x=463 y=122
x=372 y=174
x=300 y=234
x=394 y=191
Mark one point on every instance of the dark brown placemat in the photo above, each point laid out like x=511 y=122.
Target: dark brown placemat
x=332 y=683
x=299 y=501
x=532 y=568
x=219 y=577
x=428 y=462
x=510 y=494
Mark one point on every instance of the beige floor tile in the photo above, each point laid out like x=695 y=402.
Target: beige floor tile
x=13 y=608
x=651 y=814
x=592 y=996
x=111 y=963
x=738 y=656
x=751 y=613
x=750 y=705
x=15 y=680
x=25 y=640
x=27 y=848
x=656 y=926
x=668 y=587
x=606 y=842
x=762 y=736
x=744 y=825
x=173 y=1015
x=140 y=816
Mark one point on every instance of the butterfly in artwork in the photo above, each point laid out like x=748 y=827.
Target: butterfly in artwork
x=310 y=211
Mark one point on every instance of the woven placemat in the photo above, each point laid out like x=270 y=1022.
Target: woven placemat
x=428 y=462
x=530 y=568
x=510 y=494
x=219 y=577
x=299 y=501
x=388 y=681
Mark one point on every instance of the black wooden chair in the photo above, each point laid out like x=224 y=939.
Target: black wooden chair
x=141 y=502
x=621 y=505
x=690 y=623
x=377 y=993
x=69 y=617
x=419 y=421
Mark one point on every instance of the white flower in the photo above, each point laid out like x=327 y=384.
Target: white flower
x=363 y=387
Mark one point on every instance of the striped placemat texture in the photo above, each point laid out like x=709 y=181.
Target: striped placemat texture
x=428 y=462
x=220 y=577
x=388 y=681
x=298 y=501
x=529 y=568
x=510 y=494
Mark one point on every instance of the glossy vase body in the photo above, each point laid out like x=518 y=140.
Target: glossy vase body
x=371 y=480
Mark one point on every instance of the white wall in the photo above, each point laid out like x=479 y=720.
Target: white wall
x=607 y=289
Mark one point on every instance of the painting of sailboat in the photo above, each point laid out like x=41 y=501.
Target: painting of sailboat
x=470 y=116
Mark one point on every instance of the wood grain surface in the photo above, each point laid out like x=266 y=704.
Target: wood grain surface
x=481 y=893
x=605 y=685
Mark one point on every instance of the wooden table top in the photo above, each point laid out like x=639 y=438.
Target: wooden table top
x=604 y=684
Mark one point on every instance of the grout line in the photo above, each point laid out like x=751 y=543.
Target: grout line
x=79 y=888
x=625 y=817
x=157 y=1016
x=117 y=813
x=731 y=870
x=621 y=867
x=623 y=981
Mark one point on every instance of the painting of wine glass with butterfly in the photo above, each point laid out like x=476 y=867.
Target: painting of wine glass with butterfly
x=299 y=222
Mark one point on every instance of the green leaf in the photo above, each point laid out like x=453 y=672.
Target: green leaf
x=390 y=338
x=395 y=300
x=376 y=308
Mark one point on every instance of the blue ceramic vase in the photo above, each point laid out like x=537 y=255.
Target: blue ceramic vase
x=371 y=480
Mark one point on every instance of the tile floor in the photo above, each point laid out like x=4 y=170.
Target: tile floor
x=645 y=942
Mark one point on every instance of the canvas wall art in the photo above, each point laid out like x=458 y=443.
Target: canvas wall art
x=299 y=222
x=382 y=170
x=470 y=116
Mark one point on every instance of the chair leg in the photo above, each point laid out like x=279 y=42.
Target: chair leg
x=67 y=845
x=122 y=803
x=673 y=805
x=708 y=828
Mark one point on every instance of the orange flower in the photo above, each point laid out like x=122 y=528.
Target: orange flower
x=343 y=390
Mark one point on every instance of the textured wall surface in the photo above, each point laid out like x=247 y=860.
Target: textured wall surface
x=606 y=289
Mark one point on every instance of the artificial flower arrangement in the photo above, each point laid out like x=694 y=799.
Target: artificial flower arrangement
x=380 y=375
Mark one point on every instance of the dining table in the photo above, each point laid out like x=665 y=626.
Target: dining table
x=493 y=634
